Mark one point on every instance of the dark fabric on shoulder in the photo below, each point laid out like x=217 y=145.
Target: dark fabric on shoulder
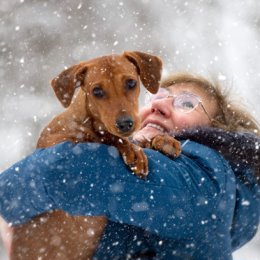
x=239 y=148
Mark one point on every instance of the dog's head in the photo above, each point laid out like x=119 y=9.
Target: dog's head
x=112 y=86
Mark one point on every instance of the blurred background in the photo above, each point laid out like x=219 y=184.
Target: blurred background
x=38 y=38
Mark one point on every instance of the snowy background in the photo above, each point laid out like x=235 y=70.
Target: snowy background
x=38 y=38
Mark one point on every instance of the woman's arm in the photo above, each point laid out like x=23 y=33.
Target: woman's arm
x=236 y=147
x=91 y=179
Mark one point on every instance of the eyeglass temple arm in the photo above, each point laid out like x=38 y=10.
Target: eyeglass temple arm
x=204 y=109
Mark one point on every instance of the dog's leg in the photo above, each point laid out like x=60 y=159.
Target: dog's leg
x=165 y=144
x=57 y=236
x=134 y=157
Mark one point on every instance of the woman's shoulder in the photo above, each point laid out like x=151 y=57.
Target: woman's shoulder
x=205 y=156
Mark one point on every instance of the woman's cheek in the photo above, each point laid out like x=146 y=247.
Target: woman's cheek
x=180 y=122
x=183 y=121
x=144 y=112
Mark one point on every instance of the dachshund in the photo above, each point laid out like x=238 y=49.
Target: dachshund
x=104 y=110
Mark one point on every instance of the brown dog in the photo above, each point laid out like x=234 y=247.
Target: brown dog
x=106 y=107
x=104 y=110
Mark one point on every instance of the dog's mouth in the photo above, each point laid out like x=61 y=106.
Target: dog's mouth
x=123 y=125
x=126 y=132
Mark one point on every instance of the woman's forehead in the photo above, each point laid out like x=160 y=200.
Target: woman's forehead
x=190 y=87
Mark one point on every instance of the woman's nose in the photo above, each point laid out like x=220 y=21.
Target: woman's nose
x=162 y=106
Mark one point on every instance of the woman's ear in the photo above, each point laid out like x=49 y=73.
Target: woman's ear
x=149 y=68
x=67 y=81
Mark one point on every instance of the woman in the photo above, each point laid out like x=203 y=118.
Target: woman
x=197 y=206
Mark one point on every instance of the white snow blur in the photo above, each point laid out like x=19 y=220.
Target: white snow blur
x=217 y=39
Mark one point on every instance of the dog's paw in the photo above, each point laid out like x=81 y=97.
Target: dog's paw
x=167 y=145
x=136 y=159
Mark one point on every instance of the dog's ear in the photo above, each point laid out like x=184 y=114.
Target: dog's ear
x=149 y=68
x=67 y=81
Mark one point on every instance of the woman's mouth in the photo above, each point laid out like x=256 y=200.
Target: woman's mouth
x=156 y=126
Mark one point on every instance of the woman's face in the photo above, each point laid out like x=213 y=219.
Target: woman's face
x=161 y=116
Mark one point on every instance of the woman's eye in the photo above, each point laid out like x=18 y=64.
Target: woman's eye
x=130 y=83
x=187 y=104
x=98 y=92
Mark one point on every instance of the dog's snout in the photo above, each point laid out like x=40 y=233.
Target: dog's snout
x=125 y=124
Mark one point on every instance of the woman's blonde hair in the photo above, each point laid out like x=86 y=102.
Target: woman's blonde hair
x=228 y=116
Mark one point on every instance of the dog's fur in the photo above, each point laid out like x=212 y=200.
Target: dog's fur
x=105 y=110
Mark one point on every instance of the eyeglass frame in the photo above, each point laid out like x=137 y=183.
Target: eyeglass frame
x=191 y=94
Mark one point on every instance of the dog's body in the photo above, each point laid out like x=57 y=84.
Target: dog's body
x=105 y=110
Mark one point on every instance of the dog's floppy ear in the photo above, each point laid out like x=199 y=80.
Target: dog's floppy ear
x=149 y=68
x=67 y=81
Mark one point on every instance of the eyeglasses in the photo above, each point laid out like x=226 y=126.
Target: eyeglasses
x=184 y=102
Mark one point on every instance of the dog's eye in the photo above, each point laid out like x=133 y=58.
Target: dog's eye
x=98 y=92
x=130 y=83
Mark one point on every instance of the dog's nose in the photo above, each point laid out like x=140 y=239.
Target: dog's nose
x=125 y=124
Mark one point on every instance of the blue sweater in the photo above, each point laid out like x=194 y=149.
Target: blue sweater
x=194 y=207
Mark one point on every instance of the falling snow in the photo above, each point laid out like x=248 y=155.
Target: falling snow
x=40 y=38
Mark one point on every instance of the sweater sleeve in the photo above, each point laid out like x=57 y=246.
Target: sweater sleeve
x=91 y=179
